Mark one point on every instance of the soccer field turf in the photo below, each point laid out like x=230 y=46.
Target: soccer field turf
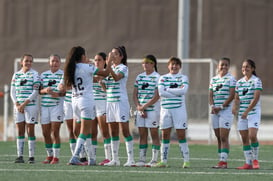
x=203 y=157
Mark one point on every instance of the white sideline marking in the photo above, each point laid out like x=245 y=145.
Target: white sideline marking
x=135 y=171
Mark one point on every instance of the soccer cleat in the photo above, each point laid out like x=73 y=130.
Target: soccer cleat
x=221 y=164
x=48 y=160
x=113 y=163
x=104 y=162
x=75 y=161
x=152 y=163
x=31 y=160
x=130 y=163
x=161 y=165
x=140 y=163
x=54 y=161
x=256 y=164
x=92 y=162
x=245 y=167
x=186 y=165
x=84 y=160
x=19 y=159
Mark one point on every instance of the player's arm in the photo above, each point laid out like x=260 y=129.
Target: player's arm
x=179 y=91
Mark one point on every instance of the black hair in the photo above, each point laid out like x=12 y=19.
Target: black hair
x=153 y=58
x=252 y=64
x=104 y=56
x=74 y=56
x=26 y=55
x=122 y=52
x=226 y=59
x=175 y=60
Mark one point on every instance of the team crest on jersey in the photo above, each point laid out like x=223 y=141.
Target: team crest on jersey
x=179 y=78
x=36 y=86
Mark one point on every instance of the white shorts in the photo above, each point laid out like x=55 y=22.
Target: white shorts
x=252 y=121
x=52 y=114
x=100 y=107
x=176 y=118
x=68 y=111
x=223 y=119
x=30 y=115
x=117 y=112
x=83 y=108
x=151 y=121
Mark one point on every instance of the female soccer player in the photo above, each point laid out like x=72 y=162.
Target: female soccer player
x=247 y=100
x=172 y=88
x=221 y=95
x=52 y=109
x=24 y=90
x=146 y=98
x=72 y=124
x=118 y=108
x=78 y=75
x=99 y=92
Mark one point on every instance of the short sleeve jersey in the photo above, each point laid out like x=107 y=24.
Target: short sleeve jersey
x=116 y=90
x=146 y=86
x=220 y=86
x=52 y=80
x=99 y=93
x=245 y=90
x=83 y=79
x=68 y=93
x=25 y=84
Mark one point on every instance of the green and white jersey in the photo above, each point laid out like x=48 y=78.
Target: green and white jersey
x=117 y=90
x=68 y=93
x=146 y=86
x=245 y=90
x=52 y=80
x=25 y=86
x=68 y=96
x=99 y=93
x=220 y=86
x=172 y=88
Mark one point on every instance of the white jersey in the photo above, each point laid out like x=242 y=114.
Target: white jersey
x=52 y=80
x=25 y=86
x=245 y=90
x=146 y=86
x=83 y=79
x=172 y=88
x=116 y=90
x=220 y=86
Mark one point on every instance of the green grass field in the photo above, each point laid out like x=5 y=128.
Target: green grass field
x=203 y=157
